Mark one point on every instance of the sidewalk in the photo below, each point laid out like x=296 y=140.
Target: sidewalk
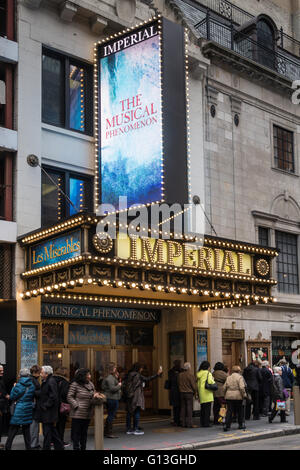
x=160 y=435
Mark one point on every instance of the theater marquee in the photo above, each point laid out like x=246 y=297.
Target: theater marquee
x=145 y=271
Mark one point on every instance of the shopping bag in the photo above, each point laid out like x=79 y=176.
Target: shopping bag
x=222 y=414
x=280 y=405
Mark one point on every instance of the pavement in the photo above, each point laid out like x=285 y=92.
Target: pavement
x=161 y=435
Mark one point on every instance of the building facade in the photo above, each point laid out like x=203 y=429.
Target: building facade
x=244 y=137
x=8 y=149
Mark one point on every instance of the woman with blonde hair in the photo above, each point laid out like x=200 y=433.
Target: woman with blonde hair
x=234 y=393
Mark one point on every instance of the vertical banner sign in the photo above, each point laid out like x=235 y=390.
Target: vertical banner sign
x=130 y=158
x=29 y=346
x=201 y=347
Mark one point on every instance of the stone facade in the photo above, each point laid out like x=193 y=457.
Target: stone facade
x=232 y=167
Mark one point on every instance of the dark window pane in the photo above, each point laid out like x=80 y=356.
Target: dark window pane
x=263 y=236
x=53 y=91
x=5 y=271
x=53 y=333
x=77 y=98
x=2 y=17
x=52 y=198
x=80 y=195
x=284 y=149
x=2 y=186
x=287 y=262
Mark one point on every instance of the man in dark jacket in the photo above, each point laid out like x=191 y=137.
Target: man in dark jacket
x=287 y=379
x=3 y=402
x=266 y=387
x=133 y=390
x=252 y=376
x=48 y=409
x=35 y=372
x=174 y=393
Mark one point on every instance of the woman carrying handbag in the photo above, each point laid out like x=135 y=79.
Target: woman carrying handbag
x=206 y=387
x=80 y=396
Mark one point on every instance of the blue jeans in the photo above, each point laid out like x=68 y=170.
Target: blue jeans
x=112 y=407
x=136 y=418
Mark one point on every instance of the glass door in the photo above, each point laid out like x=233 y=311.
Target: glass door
x=53 y=358
x=100 y=361
x=145 y=358
x=78 y=360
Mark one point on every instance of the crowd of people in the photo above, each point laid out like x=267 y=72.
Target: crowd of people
x=236 y=395
x=44 y=397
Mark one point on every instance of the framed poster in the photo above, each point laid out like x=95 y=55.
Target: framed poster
x=177 y=347
x=201 y=346
x=29 y=346
x=258 y=350
x=89 y=335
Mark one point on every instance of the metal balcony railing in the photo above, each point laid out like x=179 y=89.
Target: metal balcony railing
x=238 y=16
x=278 y=60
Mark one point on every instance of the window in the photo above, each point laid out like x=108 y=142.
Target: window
x=5 y=271
x=284 y=149
x=287 y=262
x=66 y=92
x=265 y=41
x=2 y=17
x=2 y=188
x=6 y=185
x=263 y=236
x=55 y=205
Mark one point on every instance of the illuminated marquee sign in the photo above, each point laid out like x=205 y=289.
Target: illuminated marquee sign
x=150 y=250
x=137 y=108
x=58 y=249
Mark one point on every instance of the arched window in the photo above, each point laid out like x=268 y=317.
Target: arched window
x=265 y=34
x=266 y=43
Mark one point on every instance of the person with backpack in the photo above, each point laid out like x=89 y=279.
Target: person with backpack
x=111 y=386
x=22 y=395
x=288 y=380
x=133 y=390
x=61 y=377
